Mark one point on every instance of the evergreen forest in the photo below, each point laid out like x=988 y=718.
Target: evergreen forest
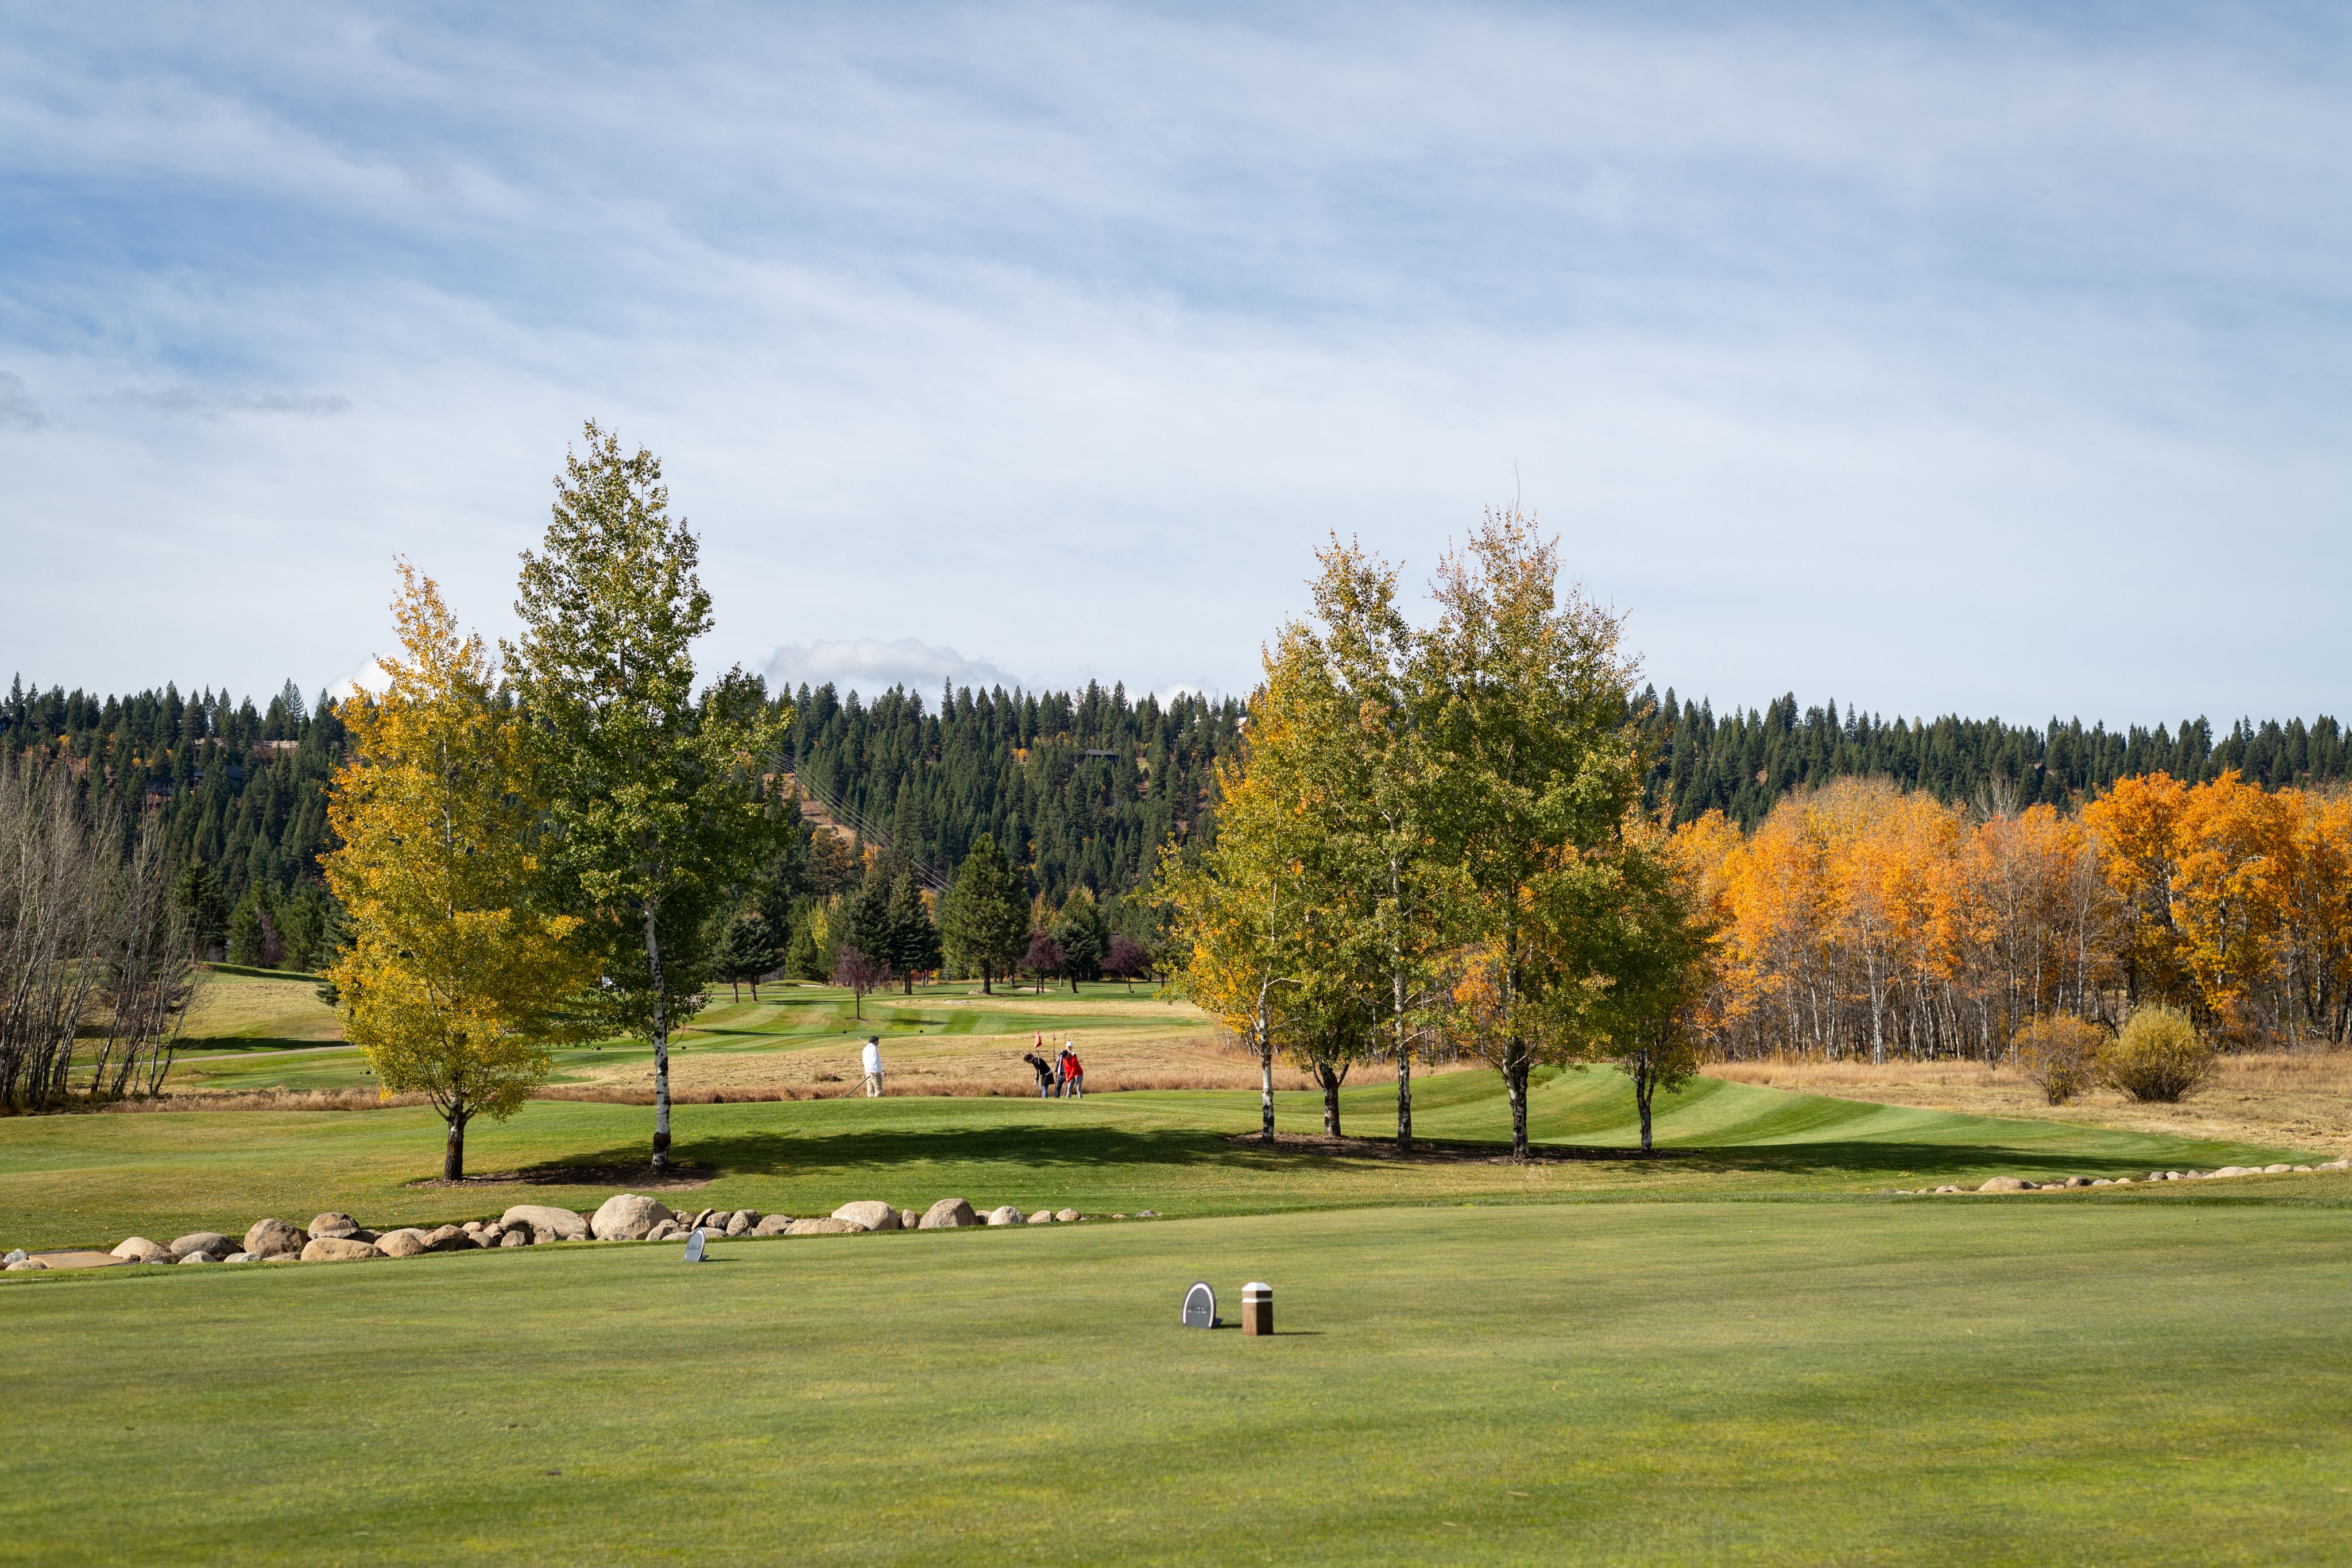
x=1080 y=788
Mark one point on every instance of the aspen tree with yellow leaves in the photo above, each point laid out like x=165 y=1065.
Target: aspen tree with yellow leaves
x=459 y=974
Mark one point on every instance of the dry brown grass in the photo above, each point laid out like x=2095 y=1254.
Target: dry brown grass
x=268 y=1100
x=2301 y=1101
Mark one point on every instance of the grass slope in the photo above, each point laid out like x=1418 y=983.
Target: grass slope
x=1952 y=1381
x=92 y=1179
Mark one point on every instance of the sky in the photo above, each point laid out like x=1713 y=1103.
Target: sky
x=1934 y=359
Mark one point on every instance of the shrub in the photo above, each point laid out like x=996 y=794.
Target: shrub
x=2158 y=1056
x=2061 y=1055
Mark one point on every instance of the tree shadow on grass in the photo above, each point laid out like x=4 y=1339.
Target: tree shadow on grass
x=754 y=1152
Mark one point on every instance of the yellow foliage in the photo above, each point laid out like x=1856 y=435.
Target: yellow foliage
x=457 y=979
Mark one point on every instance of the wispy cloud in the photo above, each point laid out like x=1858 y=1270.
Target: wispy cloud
x=214 y=402
x=1912 y=357
x=18 y=409
x=871 y=667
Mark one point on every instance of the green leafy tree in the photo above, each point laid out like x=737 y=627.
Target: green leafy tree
x=1532 y=771
x=197 y=896
x=1082 y=934
x=250 y=936
x=802 y=959
x=745 y=950
x=659 y=797
x=985 y=916
x=914 y=938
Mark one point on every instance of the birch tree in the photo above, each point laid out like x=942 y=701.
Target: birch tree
x=461 y=974
x=659 y=797
x=1532 y=768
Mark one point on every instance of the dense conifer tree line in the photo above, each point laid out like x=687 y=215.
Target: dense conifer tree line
x=1741 y=764
x=1080 y=788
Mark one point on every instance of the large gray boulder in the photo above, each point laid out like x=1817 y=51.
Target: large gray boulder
x=1065 y=1216
x=448 y=1239
x=1043 y=1217
x=338 y=1249
x=211 y=1242
x=1007 y=1215
x=405 y=1242
x=626 y=1217
x=869 y=1215
x=741 y=1222
x=268 y=1238
x=773 y=1225
x=823 y=1227
x=556 y=1224
x=139 y=1249
x=336 y=1224
x=2006 y=1184
x=948 y=1214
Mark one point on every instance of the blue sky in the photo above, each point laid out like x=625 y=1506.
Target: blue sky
x=1941 y=358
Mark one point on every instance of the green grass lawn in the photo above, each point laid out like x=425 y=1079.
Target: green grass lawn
x=258 y=1029
x=1959 y=1381
x=95 y=1178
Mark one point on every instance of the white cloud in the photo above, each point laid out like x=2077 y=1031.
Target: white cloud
x=371 y=677
x=871 y=667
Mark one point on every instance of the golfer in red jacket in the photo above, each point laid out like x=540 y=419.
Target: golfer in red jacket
x=1074 y=1073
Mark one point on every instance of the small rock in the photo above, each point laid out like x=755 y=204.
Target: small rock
x=1948 y=1190
x=560 y=1224
x=2075 y=1181
x=2103 y=1182
x=26 y=1265
x=1147 y=1214
x=2303 y=1170
x=739 y=1223
x=335 y=1224
x=2338 y=1164
x=824 y=1228
x=17 y=1255
x=701 y=1218
x=2006 y=1184
x=1008 y=1215
x=270 y=1236
x=626 y=1217
x=338 y=1249
x=1043 y=1217
x=1065 y=1215
x=868 y=1215
x=139 y=1249
x=665 y=1231
x=2235 y=1171
x=773 y=1225
x=191 y=1258
x=241 y=1258
x=2277 y=1170
x=523 y=1237
x=909 y=1219
x=406 y=1242
x=211 y=1241
x=447 y=1238
x=2123 y=1181
x=948 y=1214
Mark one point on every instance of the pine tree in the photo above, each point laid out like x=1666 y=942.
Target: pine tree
x=984 y=917
x=914 y=939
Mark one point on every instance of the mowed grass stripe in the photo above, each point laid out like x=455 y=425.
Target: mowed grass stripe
x=1782 y=1382
x=93 y=1179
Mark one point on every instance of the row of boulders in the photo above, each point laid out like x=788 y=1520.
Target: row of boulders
x=625 y=1217
x=2018 y=1184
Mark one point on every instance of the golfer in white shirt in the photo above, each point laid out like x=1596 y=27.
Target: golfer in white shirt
x=872 y=1057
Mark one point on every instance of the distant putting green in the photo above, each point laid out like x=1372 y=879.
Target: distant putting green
x=92 y=1179
x=1956 y=1381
